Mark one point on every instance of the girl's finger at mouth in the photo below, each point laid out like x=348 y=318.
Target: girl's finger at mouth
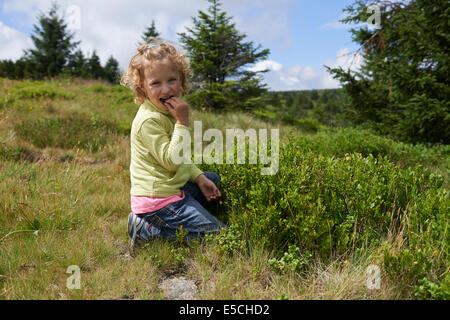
x=171 y=101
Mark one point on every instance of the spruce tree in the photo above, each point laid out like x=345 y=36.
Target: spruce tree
x=95 y=69
x=219 y=56
x=53 y=45
x=403 y=87
x=7 y=69
x=78 y=66
x=111 y=70
x=150 y=32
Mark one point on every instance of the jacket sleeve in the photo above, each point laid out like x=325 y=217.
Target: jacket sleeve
x=195 y=172
x=160 y=145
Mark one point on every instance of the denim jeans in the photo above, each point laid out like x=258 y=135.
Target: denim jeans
x=188 y=213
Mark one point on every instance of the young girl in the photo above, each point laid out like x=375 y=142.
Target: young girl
x=165 y=196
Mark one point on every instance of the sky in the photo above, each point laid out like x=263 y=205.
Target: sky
x=302 y=35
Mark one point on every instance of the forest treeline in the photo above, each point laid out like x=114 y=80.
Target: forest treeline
x=401 y=89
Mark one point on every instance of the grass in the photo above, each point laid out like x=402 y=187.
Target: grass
x=65 y=202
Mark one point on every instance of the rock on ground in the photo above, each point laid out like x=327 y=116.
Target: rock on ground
x=178 y=288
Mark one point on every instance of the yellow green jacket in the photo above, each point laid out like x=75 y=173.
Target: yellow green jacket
x=154 y=137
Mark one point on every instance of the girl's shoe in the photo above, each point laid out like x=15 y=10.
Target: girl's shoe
x=139 y=230
x=132 y=229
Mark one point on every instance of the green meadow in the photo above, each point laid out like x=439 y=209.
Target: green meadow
x=343 y=203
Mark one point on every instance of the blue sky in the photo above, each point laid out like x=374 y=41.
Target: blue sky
x=302 y=35
x=311 y=25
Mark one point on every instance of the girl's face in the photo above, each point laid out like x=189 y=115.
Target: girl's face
x=161 y=82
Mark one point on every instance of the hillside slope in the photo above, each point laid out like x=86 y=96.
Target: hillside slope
x=342 y=202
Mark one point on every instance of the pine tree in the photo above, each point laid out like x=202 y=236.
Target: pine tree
x=53 y=45
x=402 y=88
x=7 y=69
x=150 y=32
x=218 y=56
x=78 y=65
x=111 y=70
x=95 y=69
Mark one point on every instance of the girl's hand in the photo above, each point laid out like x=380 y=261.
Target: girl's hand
x=179 y=109
x=208 y=188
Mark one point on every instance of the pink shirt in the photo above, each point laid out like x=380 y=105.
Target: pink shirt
x=143 y=204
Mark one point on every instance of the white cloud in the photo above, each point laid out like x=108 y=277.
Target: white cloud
x=298 y=77
x=266 y=64
x=12 y=43
x=289 y=80
x=346 y=60
x=308 y=73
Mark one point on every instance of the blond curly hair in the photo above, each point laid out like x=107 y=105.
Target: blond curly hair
x=147 y=54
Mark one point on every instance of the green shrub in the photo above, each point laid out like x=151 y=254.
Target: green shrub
x=307 y=124
x=38 y=90
x=330 y=206
x=124 y=128
x=425 y=253
x=121 y=94
x=339 y=142
x=265 y=114
x=427 y=289
x=292 y=260
x=66 y=133
x=319 y=203
x=18 y=153
x=98 y=88
x=228 y=240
